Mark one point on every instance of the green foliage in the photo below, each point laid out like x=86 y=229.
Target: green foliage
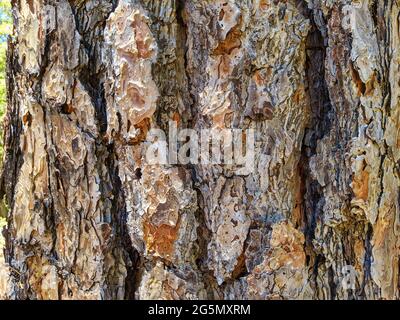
x=5 y=19
x=5 y=30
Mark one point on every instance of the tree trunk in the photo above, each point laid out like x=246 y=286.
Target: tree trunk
x=318 y=218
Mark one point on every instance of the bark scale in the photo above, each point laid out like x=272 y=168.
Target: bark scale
x=318 y=81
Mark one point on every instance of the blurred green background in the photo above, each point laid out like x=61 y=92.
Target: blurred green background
x=5 y=30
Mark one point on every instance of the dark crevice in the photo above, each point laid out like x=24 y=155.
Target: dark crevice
x=183 y=47
x=120 y=216
x=92 y=76
x=367 y=259
x=332 y=283
x=12 y=131
x=48 y=209
x=204 y=238
x=373 y=7
x=319 y=126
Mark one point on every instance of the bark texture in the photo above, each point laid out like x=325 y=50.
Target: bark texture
x=88 y=219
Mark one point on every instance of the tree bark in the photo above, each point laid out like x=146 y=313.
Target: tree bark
x=317 y=80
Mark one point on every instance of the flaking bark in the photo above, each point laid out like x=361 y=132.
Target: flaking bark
x=89 y=219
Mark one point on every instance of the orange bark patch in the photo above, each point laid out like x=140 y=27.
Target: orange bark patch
x=240 y=267
x=264 y=4
x=31 y=6
x=287 y=247
x=27 y=118
x=259 y=78
x=143 y=126
x=177 y=118
x=160 y=239
x=398 y=137
x=360 y=185
x=357 y=80
x=370 y=85
x=219 y=119
x=363 y=89
x=298 y=95
x=231 y=42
